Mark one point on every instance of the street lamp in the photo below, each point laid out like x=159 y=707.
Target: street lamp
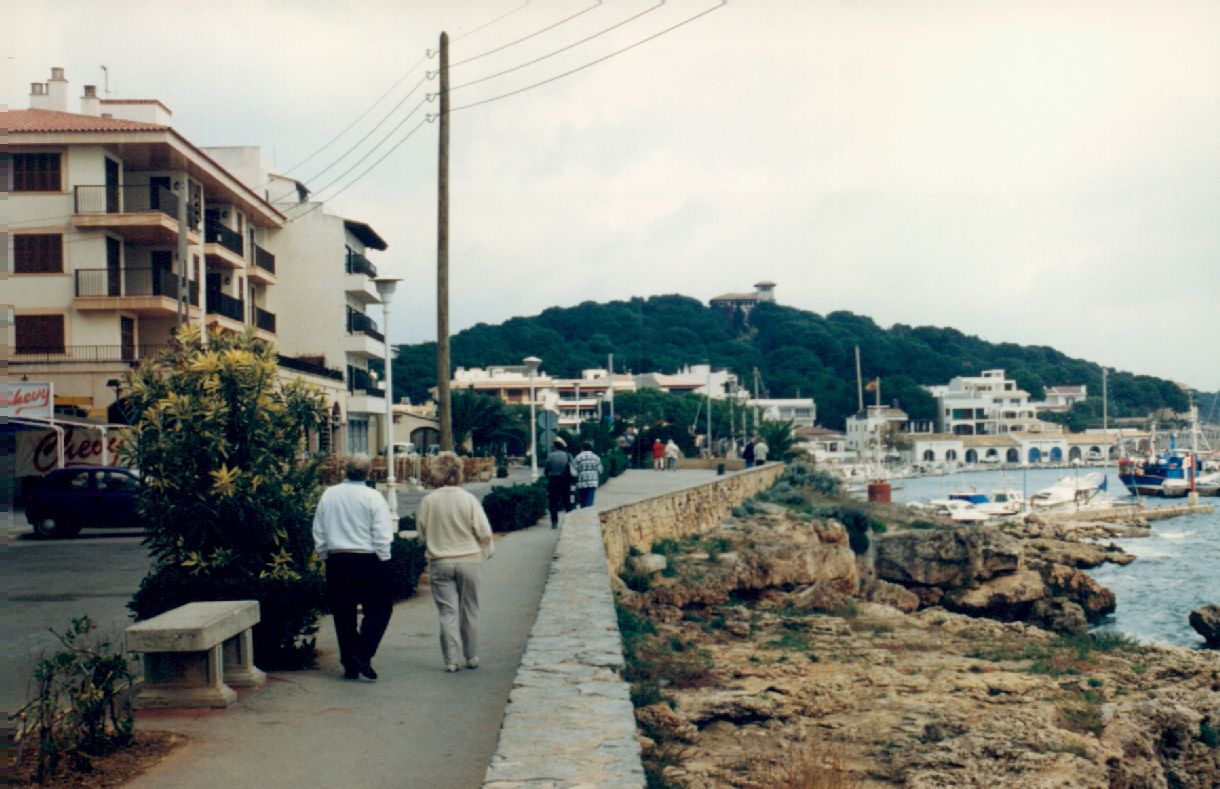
x=531 y=364
x=385 y=289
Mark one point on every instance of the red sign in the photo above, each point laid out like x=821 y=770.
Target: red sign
x=38 y=450
x=27 y=399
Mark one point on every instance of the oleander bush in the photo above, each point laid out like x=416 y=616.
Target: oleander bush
x=513 y=507
x=229 y=491
x=407 y=563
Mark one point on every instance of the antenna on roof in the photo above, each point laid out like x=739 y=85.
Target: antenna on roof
x=105 y=81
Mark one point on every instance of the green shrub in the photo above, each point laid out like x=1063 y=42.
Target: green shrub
x=407 y=562
x=1209 y=735
x=513 y=507
x=227 y=499
x=81 y=707
x=614 y=462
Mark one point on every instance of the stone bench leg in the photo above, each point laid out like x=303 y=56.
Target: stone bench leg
x=239 y=668
x=184 y=679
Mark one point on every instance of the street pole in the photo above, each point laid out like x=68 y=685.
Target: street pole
x=442 y=257
x=532 y=363
x=385 y=288
x=610 y=390
x=183 y=311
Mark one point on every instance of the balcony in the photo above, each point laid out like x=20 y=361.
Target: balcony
x=223 y=246
x=263 y=270
x=143 y=213
x=226 y=311
x=358 y=279
x=264 y=320
x=359 y=264
x=359 y=323
x=309 y=367
x=144 y=291
x=66 y=354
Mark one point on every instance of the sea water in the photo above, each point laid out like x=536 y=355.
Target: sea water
x=1176 y=570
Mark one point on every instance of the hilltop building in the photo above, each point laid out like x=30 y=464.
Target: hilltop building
x=731 y=302
x=101 y=202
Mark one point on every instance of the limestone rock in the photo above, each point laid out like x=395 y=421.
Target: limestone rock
x=1080 y=588
x=649 y=563
x=957 y=557
x=1206 y=620
x=1155 y=743
x=1059 y=614
x=660 y=720
x=877 y=591
x=1007 y=597
x=818 y=596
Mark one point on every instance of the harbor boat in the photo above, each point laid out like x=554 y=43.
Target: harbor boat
x=1167 y=475
x=996 y=504
x=956 y=510
x=1071 y=492
x=1208 y=484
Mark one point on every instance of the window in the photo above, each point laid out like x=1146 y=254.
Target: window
x=40 y=333
x=36 y=172
x=38 y=254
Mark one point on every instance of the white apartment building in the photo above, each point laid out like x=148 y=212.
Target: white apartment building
x=692 y=379
x=97 y=280
x=574 y=400
x=864 y=429
x=800 y=411
x=1062 y=398
x=987 y=404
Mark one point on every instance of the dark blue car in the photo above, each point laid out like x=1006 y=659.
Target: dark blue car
x=67 y=499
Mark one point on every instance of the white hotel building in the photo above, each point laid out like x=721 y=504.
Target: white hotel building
x=95 y=282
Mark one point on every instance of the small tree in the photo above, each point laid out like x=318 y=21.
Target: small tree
x=228 y=492
x=779 y=438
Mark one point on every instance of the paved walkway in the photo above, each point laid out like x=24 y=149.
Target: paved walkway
x=416 y=726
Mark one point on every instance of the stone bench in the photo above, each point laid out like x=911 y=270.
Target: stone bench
x=195 y=654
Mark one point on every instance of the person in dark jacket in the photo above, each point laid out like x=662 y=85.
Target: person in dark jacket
x=747 y=454
x=558 y=472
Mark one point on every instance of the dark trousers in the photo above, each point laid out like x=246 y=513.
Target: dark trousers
x=558 y=494
x=585 y=496
x=358 y=579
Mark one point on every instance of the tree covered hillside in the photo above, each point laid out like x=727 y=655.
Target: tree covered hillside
x=796 y=352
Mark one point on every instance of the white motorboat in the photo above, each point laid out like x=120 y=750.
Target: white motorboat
x=1071 y=492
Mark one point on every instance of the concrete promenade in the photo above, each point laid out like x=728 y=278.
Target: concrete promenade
x=416 y=726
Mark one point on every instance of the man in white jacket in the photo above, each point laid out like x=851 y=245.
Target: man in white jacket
x=352 y=533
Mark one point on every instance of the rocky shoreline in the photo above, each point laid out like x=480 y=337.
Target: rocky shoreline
x=768 y=651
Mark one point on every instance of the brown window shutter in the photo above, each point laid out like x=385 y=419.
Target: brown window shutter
x=40 y=333
x=38 y=254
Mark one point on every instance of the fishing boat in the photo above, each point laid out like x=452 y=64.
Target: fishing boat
x=1169 y=474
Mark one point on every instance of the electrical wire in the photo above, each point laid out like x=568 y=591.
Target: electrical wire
x=561 y=50
x=524 y=38
x=361 y=141
x=351 y=125
x=591 y=63
x=371 y=151
x=393 y=148
x=492 y=22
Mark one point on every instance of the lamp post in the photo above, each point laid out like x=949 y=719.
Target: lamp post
x=531 y=364
x=385 y=289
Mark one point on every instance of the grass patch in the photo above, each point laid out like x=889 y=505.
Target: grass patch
x=1082 y=714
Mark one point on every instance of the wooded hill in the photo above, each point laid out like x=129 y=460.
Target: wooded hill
x=796 y=353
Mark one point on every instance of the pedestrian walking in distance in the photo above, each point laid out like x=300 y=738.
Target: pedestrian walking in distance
x=672 y=453
x=559 y=472
x=658 y=455
x=352 y=533
x=588 y=474
x=457 y=538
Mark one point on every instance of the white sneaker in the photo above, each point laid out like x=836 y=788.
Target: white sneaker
x=452 y=667
x=472 y=663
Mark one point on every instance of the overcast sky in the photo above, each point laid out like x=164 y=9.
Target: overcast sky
x=1033 y=172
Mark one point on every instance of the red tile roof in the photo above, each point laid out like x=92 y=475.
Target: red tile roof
x=52 y=121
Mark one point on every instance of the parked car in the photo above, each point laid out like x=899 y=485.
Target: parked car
x=67 y=499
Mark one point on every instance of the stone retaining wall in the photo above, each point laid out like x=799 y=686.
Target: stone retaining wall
x=680 y=514
x=569 y=720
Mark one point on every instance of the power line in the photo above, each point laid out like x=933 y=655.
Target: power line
x=591 y=63
x=370 y=168
x=524 y=38
x=360 y=142
x=585 y=40
x=492 y=22
x=372 y=150
x=351 y=125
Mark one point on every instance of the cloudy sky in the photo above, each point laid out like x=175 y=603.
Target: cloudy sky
x=1034 y=172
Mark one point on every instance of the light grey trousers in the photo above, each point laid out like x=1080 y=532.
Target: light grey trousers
x=455 y=588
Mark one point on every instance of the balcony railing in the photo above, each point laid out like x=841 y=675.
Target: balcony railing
x=85 y=353
x=225 y=305
x=360 y=380
x=359 y=264
x=143 y=198
x=216 y=233
x=131 y=282
x=264 y=320
x=307 y=366
x=359 y=323
x=264 y=259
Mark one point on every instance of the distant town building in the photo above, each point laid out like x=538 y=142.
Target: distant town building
x=865 y=429
x=983 y=405
x=731 y=302
x=574 y=400
x=800 y=411
x=1050 y=445
x=692 y=379
x=1062 y=398
x=826 y=446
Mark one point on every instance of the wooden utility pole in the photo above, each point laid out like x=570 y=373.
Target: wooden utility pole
x=442 y=258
